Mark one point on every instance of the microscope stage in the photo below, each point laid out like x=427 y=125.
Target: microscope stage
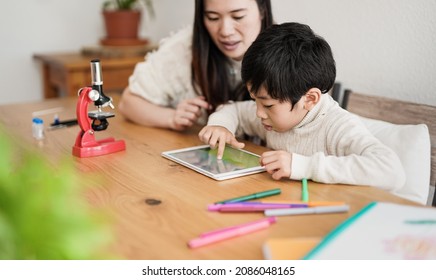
x=96 y=115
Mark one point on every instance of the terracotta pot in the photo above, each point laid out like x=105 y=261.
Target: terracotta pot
x=122 y=24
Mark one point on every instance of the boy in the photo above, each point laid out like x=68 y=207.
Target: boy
x=287 y=70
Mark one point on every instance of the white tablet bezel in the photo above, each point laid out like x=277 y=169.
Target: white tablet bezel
x=217 y=176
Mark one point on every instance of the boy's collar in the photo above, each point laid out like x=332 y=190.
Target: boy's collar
x=314 y=112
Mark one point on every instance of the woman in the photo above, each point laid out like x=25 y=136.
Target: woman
x=196 y=69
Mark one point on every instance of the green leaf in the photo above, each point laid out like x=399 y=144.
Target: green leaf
x=44 y=213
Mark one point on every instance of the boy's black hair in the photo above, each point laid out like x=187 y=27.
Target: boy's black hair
x=288 y=60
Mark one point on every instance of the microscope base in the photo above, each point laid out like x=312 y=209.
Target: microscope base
x=101 y=147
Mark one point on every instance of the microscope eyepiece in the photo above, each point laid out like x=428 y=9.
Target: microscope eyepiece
x=97 y=84
x=96 y=76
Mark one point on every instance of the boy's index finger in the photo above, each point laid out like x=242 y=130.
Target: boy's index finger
x=221 y=148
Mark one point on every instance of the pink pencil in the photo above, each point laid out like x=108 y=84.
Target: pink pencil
x=251 y=207
x=254 y=207
x=271 y=220
x=226 y=233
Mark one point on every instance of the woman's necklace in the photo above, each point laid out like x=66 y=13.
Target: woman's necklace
x=234 y=67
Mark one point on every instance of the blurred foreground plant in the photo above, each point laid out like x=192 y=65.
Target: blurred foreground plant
x=43 y=211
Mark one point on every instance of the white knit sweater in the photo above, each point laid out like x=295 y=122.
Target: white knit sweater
x=329 y=145
x=164 y=78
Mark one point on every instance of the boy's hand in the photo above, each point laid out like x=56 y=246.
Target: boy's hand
x=187 y=112
x=277 y=163
x=218 y=135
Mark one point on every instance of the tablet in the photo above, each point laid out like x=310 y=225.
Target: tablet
x=203 y=159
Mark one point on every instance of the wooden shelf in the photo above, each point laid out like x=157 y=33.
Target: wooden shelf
x=65 y=73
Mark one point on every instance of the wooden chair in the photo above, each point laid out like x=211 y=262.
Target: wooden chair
x=335 y=92
x=396 y=112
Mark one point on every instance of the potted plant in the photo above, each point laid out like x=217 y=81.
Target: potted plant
x=122 y=19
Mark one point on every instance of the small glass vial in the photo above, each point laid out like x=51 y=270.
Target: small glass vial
x=38 y=128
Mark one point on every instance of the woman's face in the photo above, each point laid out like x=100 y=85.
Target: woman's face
x=232 y=24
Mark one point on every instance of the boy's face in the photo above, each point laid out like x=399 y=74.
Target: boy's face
x=275 y=115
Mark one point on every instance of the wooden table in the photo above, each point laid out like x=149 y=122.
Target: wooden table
x=161 y=231
x=65 y=73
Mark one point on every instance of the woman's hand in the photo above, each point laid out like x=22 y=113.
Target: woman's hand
x=187 y=113
x=277 y=163
x=218 y=135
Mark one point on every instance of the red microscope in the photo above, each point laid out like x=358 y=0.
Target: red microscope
x=86 y=145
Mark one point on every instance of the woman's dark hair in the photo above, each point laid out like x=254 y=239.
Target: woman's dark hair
x=209 y=64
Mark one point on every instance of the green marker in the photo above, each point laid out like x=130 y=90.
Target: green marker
x=421 y=222
x=252 y=196
x=304 y=191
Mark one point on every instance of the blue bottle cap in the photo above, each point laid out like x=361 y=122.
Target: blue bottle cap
x=37 y=120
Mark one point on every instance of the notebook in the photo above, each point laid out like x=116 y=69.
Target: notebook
x=288 y=248
x=382 y=231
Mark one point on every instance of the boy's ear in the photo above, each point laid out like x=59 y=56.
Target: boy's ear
x=312 y=97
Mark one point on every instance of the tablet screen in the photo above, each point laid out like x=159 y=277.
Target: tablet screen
x=204 y=159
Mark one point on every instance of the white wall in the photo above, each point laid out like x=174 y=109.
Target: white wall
x=44 y=26
x=382 y=47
